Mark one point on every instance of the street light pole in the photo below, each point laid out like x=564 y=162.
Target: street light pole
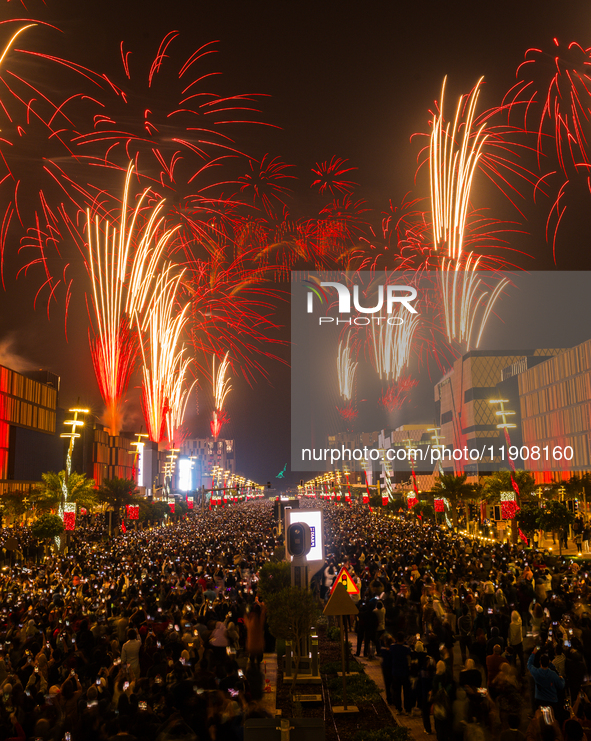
x=73 y=423
x=506 y=426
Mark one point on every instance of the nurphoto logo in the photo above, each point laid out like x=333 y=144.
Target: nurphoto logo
x=397 y=296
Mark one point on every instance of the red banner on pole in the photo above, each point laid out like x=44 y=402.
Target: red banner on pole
x=133 y=512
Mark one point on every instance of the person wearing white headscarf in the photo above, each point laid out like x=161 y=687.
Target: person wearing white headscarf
x=515 y=640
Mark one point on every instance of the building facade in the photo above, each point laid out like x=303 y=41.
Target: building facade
x=555 y=414
x=29 y=428
x=465 y=415
x=197 y=458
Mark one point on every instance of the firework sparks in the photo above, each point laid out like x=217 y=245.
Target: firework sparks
x=178 y=398
x=453 y=160
x=554 y=92
x=348 y=412
x=265 y=181
x=467 y=308
x=13 y=38
x=396 y=394
x=329 y=177
x=555 y=88
x=163 y=362
x=40 y=200
x=118 y=296
x=391 y=344
x=221 y=388
x=402 y=243
x=171 y=147
x=346 y=369
x=231 y=304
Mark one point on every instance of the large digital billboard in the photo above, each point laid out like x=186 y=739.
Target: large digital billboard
x=312 y=518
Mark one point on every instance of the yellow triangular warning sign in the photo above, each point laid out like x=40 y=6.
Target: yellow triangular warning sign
x=339 y=602
x=344 y=578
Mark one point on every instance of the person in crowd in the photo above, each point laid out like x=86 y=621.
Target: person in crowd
x=400 y=663
x=130 y=653
x=386 y=657
x=515 y=641
x=548 y=683
x=465 y=629
x=442 y=696
x=255 y=638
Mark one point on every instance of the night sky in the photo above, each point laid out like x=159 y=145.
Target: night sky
x=350 y=79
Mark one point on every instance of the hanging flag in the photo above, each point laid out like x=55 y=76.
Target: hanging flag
x=509 y=506
x=69 y=516
x=366 y=492
x=414 y=482
x=133 y=512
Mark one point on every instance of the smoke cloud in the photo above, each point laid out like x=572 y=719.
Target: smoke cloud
x=11 y=359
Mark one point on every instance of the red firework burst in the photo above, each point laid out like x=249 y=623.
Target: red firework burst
x=348 y=412
x=398 y=393
x=404 y=240
x=230 y=304
x=173 y=147
x=555 y=90
x=220 y=418
x=329 y=177
x=42 y=199
x=178 y=151
x=265 y=183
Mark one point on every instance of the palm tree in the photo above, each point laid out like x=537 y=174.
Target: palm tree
x=48 y=495
x=455 y=489
x=13 y=505
x=117 y=493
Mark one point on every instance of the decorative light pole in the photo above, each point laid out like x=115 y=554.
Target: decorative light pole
x=73 y=424
x=169 y=469
x=506 y=426
x=139 y=458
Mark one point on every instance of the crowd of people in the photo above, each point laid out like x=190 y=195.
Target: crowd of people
x=518 y=618
x=159 y=633
x=154 y=634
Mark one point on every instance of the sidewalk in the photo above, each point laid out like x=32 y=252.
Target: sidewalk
x=546 y=545
x=414 y=723
x=571 y=551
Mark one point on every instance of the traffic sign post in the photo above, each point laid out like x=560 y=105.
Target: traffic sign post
x=340 y=603
x=344 y=578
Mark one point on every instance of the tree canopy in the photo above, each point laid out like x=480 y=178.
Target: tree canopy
x=454 y=488
x=500 y=481
x=117 y=492
x=47 y=526
x=48 y=494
